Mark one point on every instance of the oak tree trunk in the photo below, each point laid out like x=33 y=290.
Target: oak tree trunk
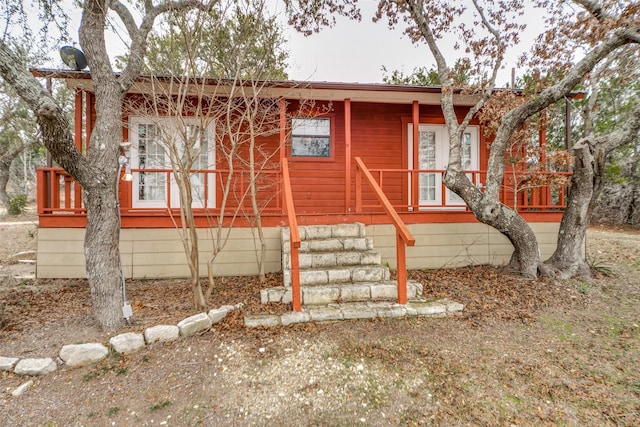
x=5 y=167
x=6 y=160
x=101 y=244
x=525 y=257
x=568 y=259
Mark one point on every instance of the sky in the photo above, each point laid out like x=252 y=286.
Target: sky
x=356 y=51
x=353 y=51
x=350 y=51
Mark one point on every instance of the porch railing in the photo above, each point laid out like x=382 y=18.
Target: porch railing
x=59 y=193
x=294 y=237
x=523 y=191
x=403 y=235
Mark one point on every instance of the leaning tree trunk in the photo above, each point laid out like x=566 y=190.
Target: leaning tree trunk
x=5 y=173
x=5 y=166
x=525 y=258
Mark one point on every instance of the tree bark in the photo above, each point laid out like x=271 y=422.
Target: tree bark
x=102 y=237
x=5 y=171
x=101 y=246
x=586 y=183
x=568 y=259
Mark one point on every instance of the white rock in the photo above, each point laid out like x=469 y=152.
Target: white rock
x=22 y=388
x=7 y=363
x=294 y=317
x=35 y=366
x=76 y=355
x=162 y=333
x=194 y=324
x=217 y=314
x=127 y=343
x=261 y=320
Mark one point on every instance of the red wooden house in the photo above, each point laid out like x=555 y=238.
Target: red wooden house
x=394 y=134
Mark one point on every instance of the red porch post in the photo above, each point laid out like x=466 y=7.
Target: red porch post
x=545 y=194
x=414 y=146
x=347 y=155
x=89 y=108
x=283 y=138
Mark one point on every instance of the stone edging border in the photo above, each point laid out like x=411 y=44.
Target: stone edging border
x=78 y=355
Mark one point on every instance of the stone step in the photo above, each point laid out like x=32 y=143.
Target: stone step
x=341 y=231
x=346 y=258
x=334 y=259
x=349 y=311
x=323 y=232
x=344 y=274
x=366 y=271
x=336 y=293
x=335 y=244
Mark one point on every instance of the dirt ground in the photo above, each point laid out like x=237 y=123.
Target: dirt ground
x=524 y=352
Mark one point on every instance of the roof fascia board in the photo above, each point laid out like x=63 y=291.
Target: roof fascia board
x=303 y=92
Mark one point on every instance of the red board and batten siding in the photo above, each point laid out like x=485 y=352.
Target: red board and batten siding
x=318 y=184
x=377 y=139
x=378 y=135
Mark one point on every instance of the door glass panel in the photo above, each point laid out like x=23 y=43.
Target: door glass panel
x=427 y=160
x=152 y=186
x=198 y=142
x=466 y=151
x=468 y=162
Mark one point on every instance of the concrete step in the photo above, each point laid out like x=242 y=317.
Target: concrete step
x=336 y=293
x=348 y=311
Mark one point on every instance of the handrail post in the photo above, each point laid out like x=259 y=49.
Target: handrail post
x=403 y=235
x=358 y=190
x=294 y=238
x=401 y=265
x=41 y=192
x=295 y=277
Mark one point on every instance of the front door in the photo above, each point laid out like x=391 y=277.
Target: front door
x=433 y=157
x=151 y=140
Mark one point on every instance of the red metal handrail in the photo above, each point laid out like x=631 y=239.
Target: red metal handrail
x=294 y=237
x=403 y=235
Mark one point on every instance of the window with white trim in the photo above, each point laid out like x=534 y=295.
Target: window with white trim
x=311 y=137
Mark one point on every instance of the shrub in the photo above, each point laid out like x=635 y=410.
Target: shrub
x=18 y=204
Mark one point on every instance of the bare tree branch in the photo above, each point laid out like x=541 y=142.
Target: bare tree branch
x=594 y=8
x=516 y=117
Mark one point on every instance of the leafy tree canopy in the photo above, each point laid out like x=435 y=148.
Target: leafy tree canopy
x=423 y=76
x=233 y=41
